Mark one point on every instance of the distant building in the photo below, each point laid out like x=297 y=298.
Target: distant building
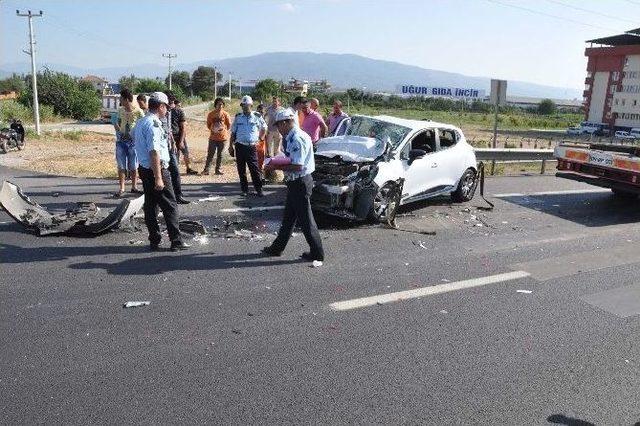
x=319 y=86
x=297 y=87
x=573 y=105
x=99 y=84
x=8 y=95
x=612 y=85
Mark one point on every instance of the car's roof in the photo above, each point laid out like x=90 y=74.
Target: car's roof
x=415 y=124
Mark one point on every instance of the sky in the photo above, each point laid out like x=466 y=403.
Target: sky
x=539 y=41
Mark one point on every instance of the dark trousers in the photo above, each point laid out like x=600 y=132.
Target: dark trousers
x=297 y=209
x=174 y=170
x=247 y=156
x=214 y=146
x=165 y=200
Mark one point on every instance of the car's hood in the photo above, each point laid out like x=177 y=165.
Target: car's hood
x=350 y=148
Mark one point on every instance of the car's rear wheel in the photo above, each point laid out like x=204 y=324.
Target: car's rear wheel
x=466 y=187
x=624 y=195
x=385 y=204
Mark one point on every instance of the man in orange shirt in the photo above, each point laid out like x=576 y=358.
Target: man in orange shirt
x=218 y=123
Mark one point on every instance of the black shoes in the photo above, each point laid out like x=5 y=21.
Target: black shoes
x=182 y=200
x=245 y=194
x=179 y=246
x=260 y=193
x=309 y=257
x=219 y=173
x=154 y=247
x=205 y=172
x=192 y=172
x=270 y=251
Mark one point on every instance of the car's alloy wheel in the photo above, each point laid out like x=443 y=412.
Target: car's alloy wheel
x=466 y=187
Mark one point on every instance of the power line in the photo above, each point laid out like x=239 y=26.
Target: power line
x=549 y=15
x=570 y=6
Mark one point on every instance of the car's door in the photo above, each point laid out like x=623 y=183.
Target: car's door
x=422 y=175
x=451 y=167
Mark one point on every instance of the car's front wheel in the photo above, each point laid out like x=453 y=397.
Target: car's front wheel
x=385 y=204
x=466 y=187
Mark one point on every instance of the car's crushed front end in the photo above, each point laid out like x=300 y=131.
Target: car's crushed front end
x=345 y=178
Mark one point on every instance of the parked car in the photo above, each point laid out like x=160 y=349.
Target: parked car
x=635 y=132
x=384 y=162
x=623 y=135
x=574 y=130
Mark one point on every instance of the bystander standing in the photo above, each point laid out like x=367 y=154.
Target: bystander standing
x=313 y=124
x=218 y=123
x=125 y=121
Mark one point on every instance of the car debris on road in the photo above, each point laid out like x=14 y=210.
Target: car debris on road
x=81 y=221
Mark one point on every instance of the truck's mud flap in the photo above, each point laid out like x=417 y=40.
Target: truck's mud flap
x=82 y=221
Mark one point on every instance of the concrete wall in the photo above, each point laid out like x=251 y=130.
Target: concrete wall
x=598 y=96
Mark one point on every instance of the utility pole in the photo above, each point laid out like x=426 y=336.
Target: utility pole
x=215 y=82
x=170 y=56
x=229 y=86
x=32 y=53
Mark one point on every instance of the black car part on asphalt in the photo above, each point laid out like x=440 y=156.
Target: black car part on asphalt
x=81 y=221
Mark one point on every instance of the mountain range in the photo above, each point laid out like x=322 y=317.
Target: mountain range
x=341 y=70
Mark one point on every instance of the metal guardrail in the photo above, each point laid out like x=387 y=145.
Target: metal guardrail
x=508 y=155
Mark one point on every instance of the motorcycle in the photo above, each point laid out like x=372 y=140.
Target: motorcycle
x=12 y=137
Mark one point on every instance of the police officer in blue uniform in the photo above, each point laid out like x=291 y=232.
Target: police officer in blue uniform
x=247 y=130
x=298 y=148
x=151 y=145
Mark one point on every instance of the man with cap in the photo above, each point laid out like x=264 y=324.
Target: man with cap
x=247 y=130
x=151 y=145
x=297 y=147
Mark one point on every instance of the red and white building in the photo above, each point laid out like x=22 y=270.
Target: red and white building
x=612 y=86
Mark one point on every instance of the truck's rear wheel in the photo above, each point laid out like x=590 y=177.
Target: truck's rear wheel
x=624 y=195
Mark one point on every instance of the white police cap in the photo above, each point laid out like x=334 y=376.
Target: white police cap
x=246 y=100
x=285 y=114
x=159 y=97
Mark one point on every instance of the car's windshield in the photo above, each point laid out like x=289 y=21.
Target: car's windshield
x=381 y=130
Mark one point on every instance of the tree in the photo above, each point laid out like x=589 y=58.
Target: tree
x=202 y=81
x=223 y=90
x=547 y=107
x=181 y=79
x=15 y=83
x=68 y=96
x=128 y=82
x=265 y=89
x=149 y=85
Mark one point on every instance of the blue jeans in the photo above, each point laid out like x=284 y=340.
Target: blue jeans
x=126 y=156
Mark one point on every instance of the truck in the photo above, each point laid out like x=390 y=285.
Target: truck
x=607 y=165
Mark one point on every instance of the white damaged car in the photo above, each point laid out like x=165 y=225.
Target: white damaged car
x=383 y=162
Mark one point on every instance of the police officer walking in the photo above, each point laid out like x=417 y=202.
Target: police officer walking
x=247 y=130
x=153 y=155
x=297 y=146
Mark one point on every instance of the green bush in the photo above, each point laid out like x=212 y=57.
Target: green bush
x=11 y=109
x=66 y=95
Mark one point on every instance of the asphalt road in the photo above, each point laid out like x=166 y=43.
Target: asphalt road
x=530 y=318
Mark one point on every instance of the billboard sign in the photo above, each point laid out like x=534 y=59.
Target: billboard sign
x=408 y=90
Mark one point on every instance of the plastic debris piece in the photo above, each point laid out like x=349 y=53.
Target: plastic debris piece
x=192 y=227
x=203 y=240
x=524 y=291
x=136 y=242
x=212 y=198
x=236 y=331
x=316 y=263
x=444 y=312
x=135 y=304
x=379 y=303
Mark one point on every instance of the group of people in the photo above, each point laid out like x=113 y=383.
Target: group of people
x=150 y=137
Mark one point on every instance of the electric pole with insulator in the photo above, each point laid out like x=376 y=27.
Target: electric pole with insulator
x=170 y=56
x=32 y=52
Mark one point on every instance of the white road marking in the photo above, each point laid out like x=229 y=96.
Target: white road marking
x=566 y=192
x=251 y=209
x=426 y=291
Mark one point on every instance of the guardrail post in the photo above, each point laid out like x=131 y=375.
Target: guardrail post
x=493 y=167
x=542 y=168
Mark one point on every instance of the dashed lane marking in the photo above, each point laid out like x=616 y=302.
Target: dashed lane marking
x=426 y=291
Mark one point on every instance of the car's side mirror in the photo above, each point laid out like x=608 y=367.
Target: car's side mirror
x=415 y=154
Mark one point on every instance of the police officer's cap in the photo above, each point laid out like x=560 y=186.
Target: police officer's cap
x=159 y=97
x=246 y=100
x=285 y=114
